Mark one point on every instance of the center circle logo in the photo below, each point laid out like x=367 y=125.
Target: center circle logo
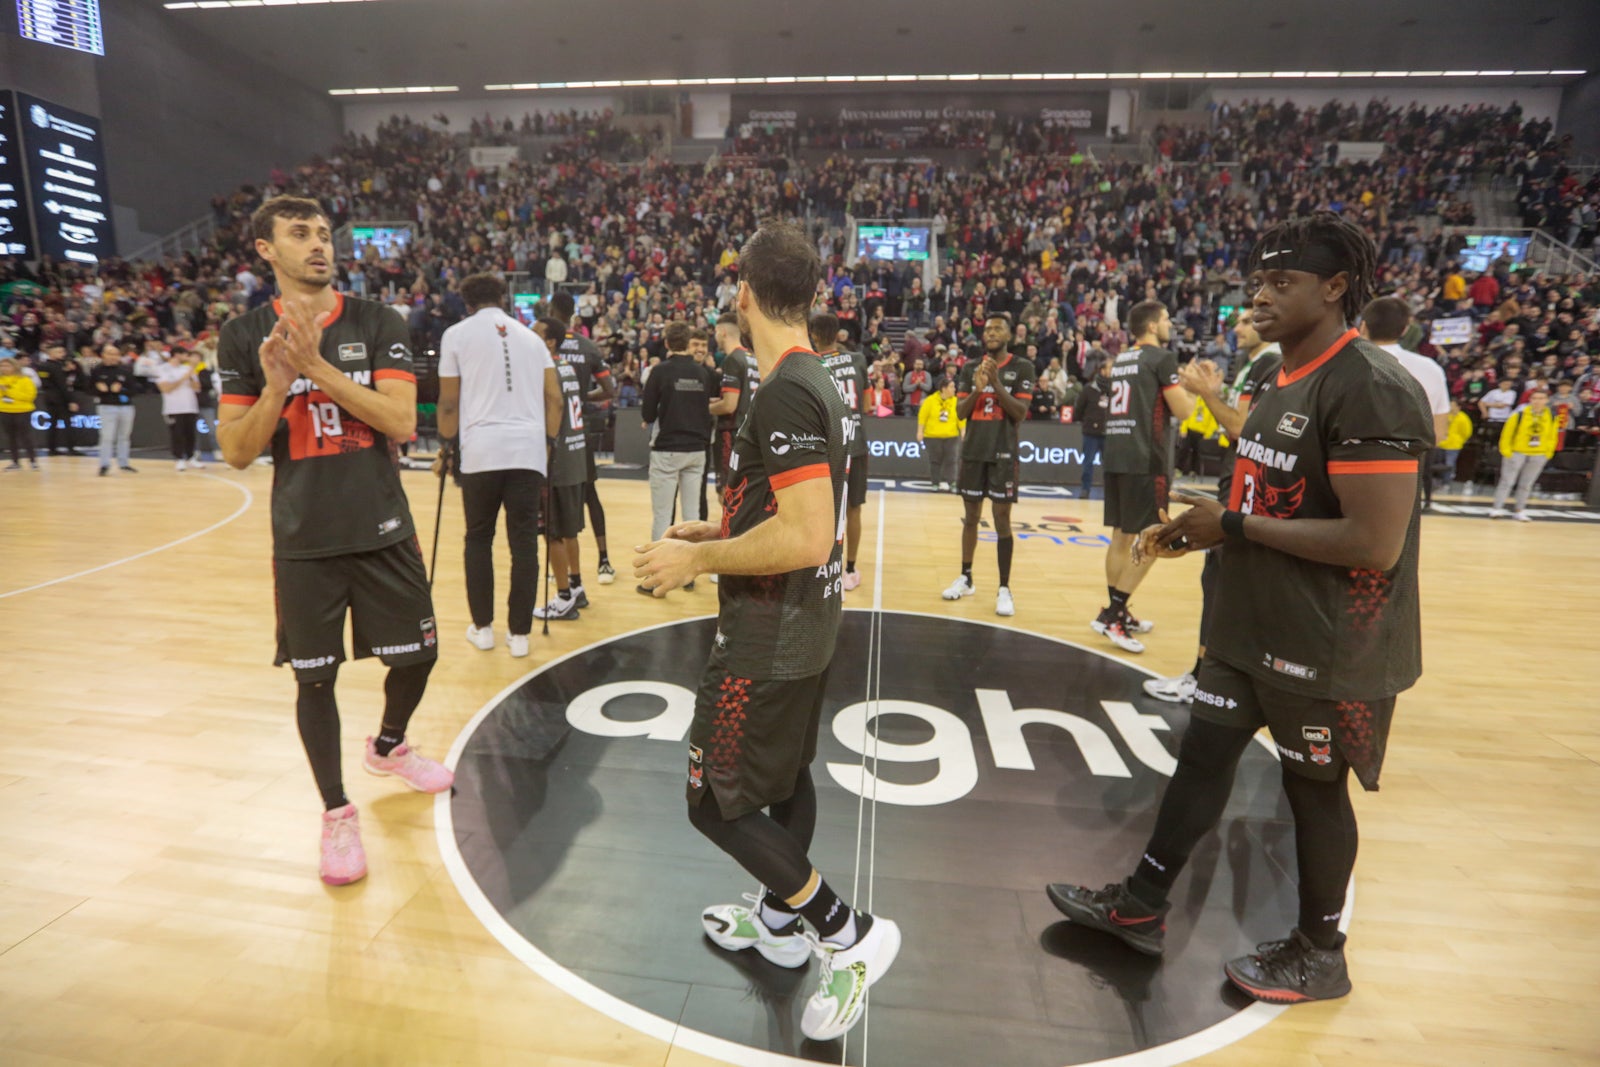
x=1004 y=761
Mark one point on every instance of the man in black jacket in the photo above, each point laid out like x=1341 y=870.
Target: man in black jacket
x=677 y=399
x=58 y=381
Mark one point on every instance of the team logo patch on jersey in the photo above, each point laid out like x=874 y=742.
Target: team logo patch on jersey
x=430 y=632
x=352 y=353
x=1293 y=425
x=779 y=442
x=1322 y=754
x=696 y=754
x=1316 y=733
x=388 y=526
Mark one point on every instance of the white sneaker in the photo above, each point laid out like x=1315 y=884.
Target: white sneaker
x=735 y=927
x=1522 y=516
x=517 y=645
x=847 y=974
x=482 y=640
x=852 y=580
x=1179 y=690
x=1002 y=602
x=1499 y=513
x=959 y=588
x=181 y=465
x=563 y=608
x=1119 y=636
x=606 y=574
x=716 y=579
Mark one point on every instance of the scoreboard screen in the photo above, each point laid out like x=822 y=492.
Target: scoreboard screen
x=16 y=225
x=71 y=24
x=910 y=243
x=66 y=165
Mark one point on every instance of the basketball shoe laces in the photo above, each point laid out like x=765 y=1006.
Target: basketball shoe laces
x=1284 y=962
x=344 y=836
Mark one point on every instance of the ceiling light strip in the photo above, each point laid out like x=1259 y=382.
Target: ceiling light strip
x=853 y=79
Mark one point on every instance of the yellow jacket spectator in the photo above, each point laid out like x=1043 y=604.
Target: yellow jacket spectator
x=937 y=416
x=1526 y=445
x=1455 y=287
x=1530 y=431
x=1459 y=432
x=17 y=394
x=938 y=428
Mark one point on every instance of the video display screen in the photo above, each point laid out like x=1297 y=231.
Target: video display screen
x=16 y=227
x=65 y=158
x=527 y=306
x=390 y=241
x=71 y=24
x=911 y=243
x=1483 y=250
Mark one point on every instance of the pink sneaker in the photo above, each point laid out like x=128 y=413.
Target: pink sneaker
x=852 y=580
x=343 y=859
x=420 y=773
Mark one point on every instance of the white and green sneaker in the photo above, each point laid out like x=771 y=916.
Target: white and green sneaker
x=847 y=973
x=736 y=928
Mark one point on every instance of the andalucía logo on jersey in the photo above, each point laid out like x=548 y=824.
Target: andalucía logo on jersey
x=991 y=759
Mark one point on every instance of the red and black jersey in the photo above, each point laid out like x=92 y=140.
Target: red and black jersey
x=991 y=435
x=335 y=480
x=1137 y=420
x=1335 y=633
x=1258 y=374
x=740 y=375
x=849 y=371
x=784 y=625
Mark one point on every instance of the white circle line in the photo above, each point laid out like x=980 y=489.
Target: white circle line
x=249 y=499
x=1213 y=1038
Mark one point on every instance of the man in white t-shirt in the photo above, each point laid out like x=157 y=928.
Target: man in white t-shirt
x=1382 y=322
x=498 y=386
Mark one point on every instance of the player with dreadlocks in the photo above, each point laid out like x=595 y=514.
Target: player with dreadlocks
x=1316 y=624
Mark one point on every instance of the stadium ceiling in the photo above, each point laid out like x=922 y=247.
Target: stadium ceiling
x=473 y=43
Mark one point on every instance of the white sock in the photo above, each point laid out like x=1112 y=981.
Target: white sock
x=772 y=918
x=847 y=933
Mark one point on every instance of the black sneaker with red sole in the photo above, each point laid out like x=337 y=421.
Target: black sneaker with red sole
x=1115 y=911
x=1292 y=971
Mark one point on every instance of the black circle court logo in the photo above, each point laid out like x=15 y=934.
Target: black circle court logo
x=1005 y=761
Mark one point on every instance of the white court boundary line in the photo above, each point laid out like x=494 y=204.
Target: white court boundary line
x=249 y=499
x=1201 y=1043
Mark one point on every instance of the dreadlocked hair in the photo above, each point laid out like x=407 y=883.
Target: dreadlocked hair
x=1348 y=242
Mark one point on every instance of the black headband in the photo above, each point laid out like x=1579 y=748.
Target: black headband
x=1315 y=259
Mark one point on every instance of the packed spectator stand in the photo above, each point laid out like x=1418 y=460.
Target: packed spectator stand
x=1060 y=241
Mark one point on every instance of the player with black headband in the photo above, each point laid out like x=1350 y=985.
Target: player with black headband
x=597 y=388
x=1317 y=625
x=993 y=395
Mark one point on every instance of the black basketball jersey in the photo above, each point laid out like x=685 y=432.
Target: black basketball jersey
x=335 y=480
x=1331 y=632
x=784 y=625
x=991 y=435
x=741 y=374
x=1137 y=434
x=568 y=457
x=849 y=370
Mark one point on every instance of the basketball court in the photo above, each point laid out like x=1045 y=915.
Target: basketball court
x=159 y=900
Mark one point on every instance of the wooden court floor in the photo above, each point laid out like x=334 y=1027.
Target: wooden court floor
x=158 y=893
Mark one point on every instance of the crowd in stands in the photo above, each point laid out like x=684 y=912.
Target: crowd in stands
x=1059 y=242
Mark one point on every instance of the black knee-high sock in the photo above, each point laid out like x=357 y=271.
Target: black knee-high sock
x=1325 y=840
x=1192 y=805
x=402 y=692
x=1002 y=548
x=317 y=714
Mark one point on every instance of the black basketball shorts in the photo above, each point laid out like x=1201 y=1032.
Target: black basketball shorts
x=563 y=518
x=1315 y=737
x=856 y=489
x=995 y=479
x=1135 y=501
x=386 y=592
x=751 y=738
